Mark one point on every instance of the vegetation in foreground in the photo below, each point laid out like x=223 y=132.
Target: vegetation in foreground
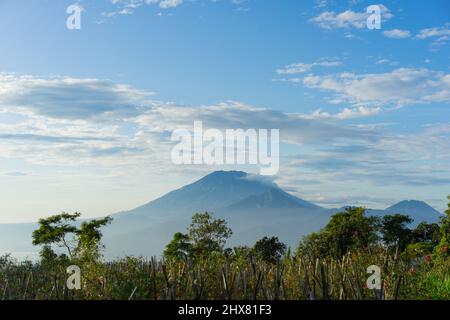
x=329 y=264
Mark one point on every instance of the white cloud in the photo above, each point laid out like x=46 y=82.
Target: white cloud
x=397 y=34
x=434 y=32
x=400 y=87
x=92 y=122
x=294 y=128
x=301 y=67
x=71 y=98
x=128 y=7
x=166 y=4
x=347 y=19
x=346 y=113
x=440 y=35
x=321 y=3
x=386 y=62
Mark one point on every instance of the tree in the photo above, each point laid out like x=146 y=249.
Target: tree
x=442 y=249
x=56 y=230
x=208 y=234
x=90 y=235
x=316 y=244
x=426 y=233
x=349 y=230
x=269 y=249
x=242 y=252
x=394 y=231
x=60 y=230
x=179 y=248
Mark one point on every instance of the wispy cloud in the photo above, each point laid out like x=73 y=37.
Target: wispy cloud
x=71 y=98
x=300 y=67
x=346 y=113
x=399 y=87
x=438 y=34
x=397 y=34
x=128 y=7
x=346 y=20
x=97 y=122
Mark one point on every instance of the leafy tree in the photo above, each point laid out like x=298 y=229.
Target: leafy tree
x=443 y=248
x=395 y=232
x=57 y=230
x=243 y=252
x=60 y=230
x=269 y=249
x=179 y=248
x=316 y=244
x=90 y=235
x=349 y=230
x=208 y=234
x=427 y=233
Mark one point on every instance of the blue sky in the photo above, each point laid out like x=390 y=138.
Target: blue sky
x=86 y=115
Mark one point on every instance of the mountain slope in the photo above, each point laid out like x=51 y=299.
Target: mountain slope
x=418 y=210
x=273 y=198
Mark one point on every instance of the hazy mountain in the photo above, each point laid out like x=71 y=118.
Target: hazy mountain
x=216 y=190
x=253 y=207
x=418 y=210
x=242 y=199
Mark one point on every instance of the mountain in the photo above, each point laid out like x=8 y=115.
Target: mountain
x=253 y=207
x=242 y=199
x=418 y=210
x=216 y=190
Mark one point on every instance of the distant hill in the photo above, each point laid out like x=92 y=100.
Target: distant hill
x=253 y=207
x=418 y=210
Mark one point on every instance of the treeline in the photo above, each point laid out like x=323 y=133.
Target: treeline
x=329 y=264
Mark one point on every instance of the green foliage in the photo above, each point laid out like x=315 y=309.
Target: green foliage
x=89 y=237
x=349 y=230
x=428 y=280
x=179 y=248
x=60 y=230
x=56 y=230
x=443 y=248
x=427 y=233
x=269 y=249
x=208 y=235
x=418 y=250
x=394 y=230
